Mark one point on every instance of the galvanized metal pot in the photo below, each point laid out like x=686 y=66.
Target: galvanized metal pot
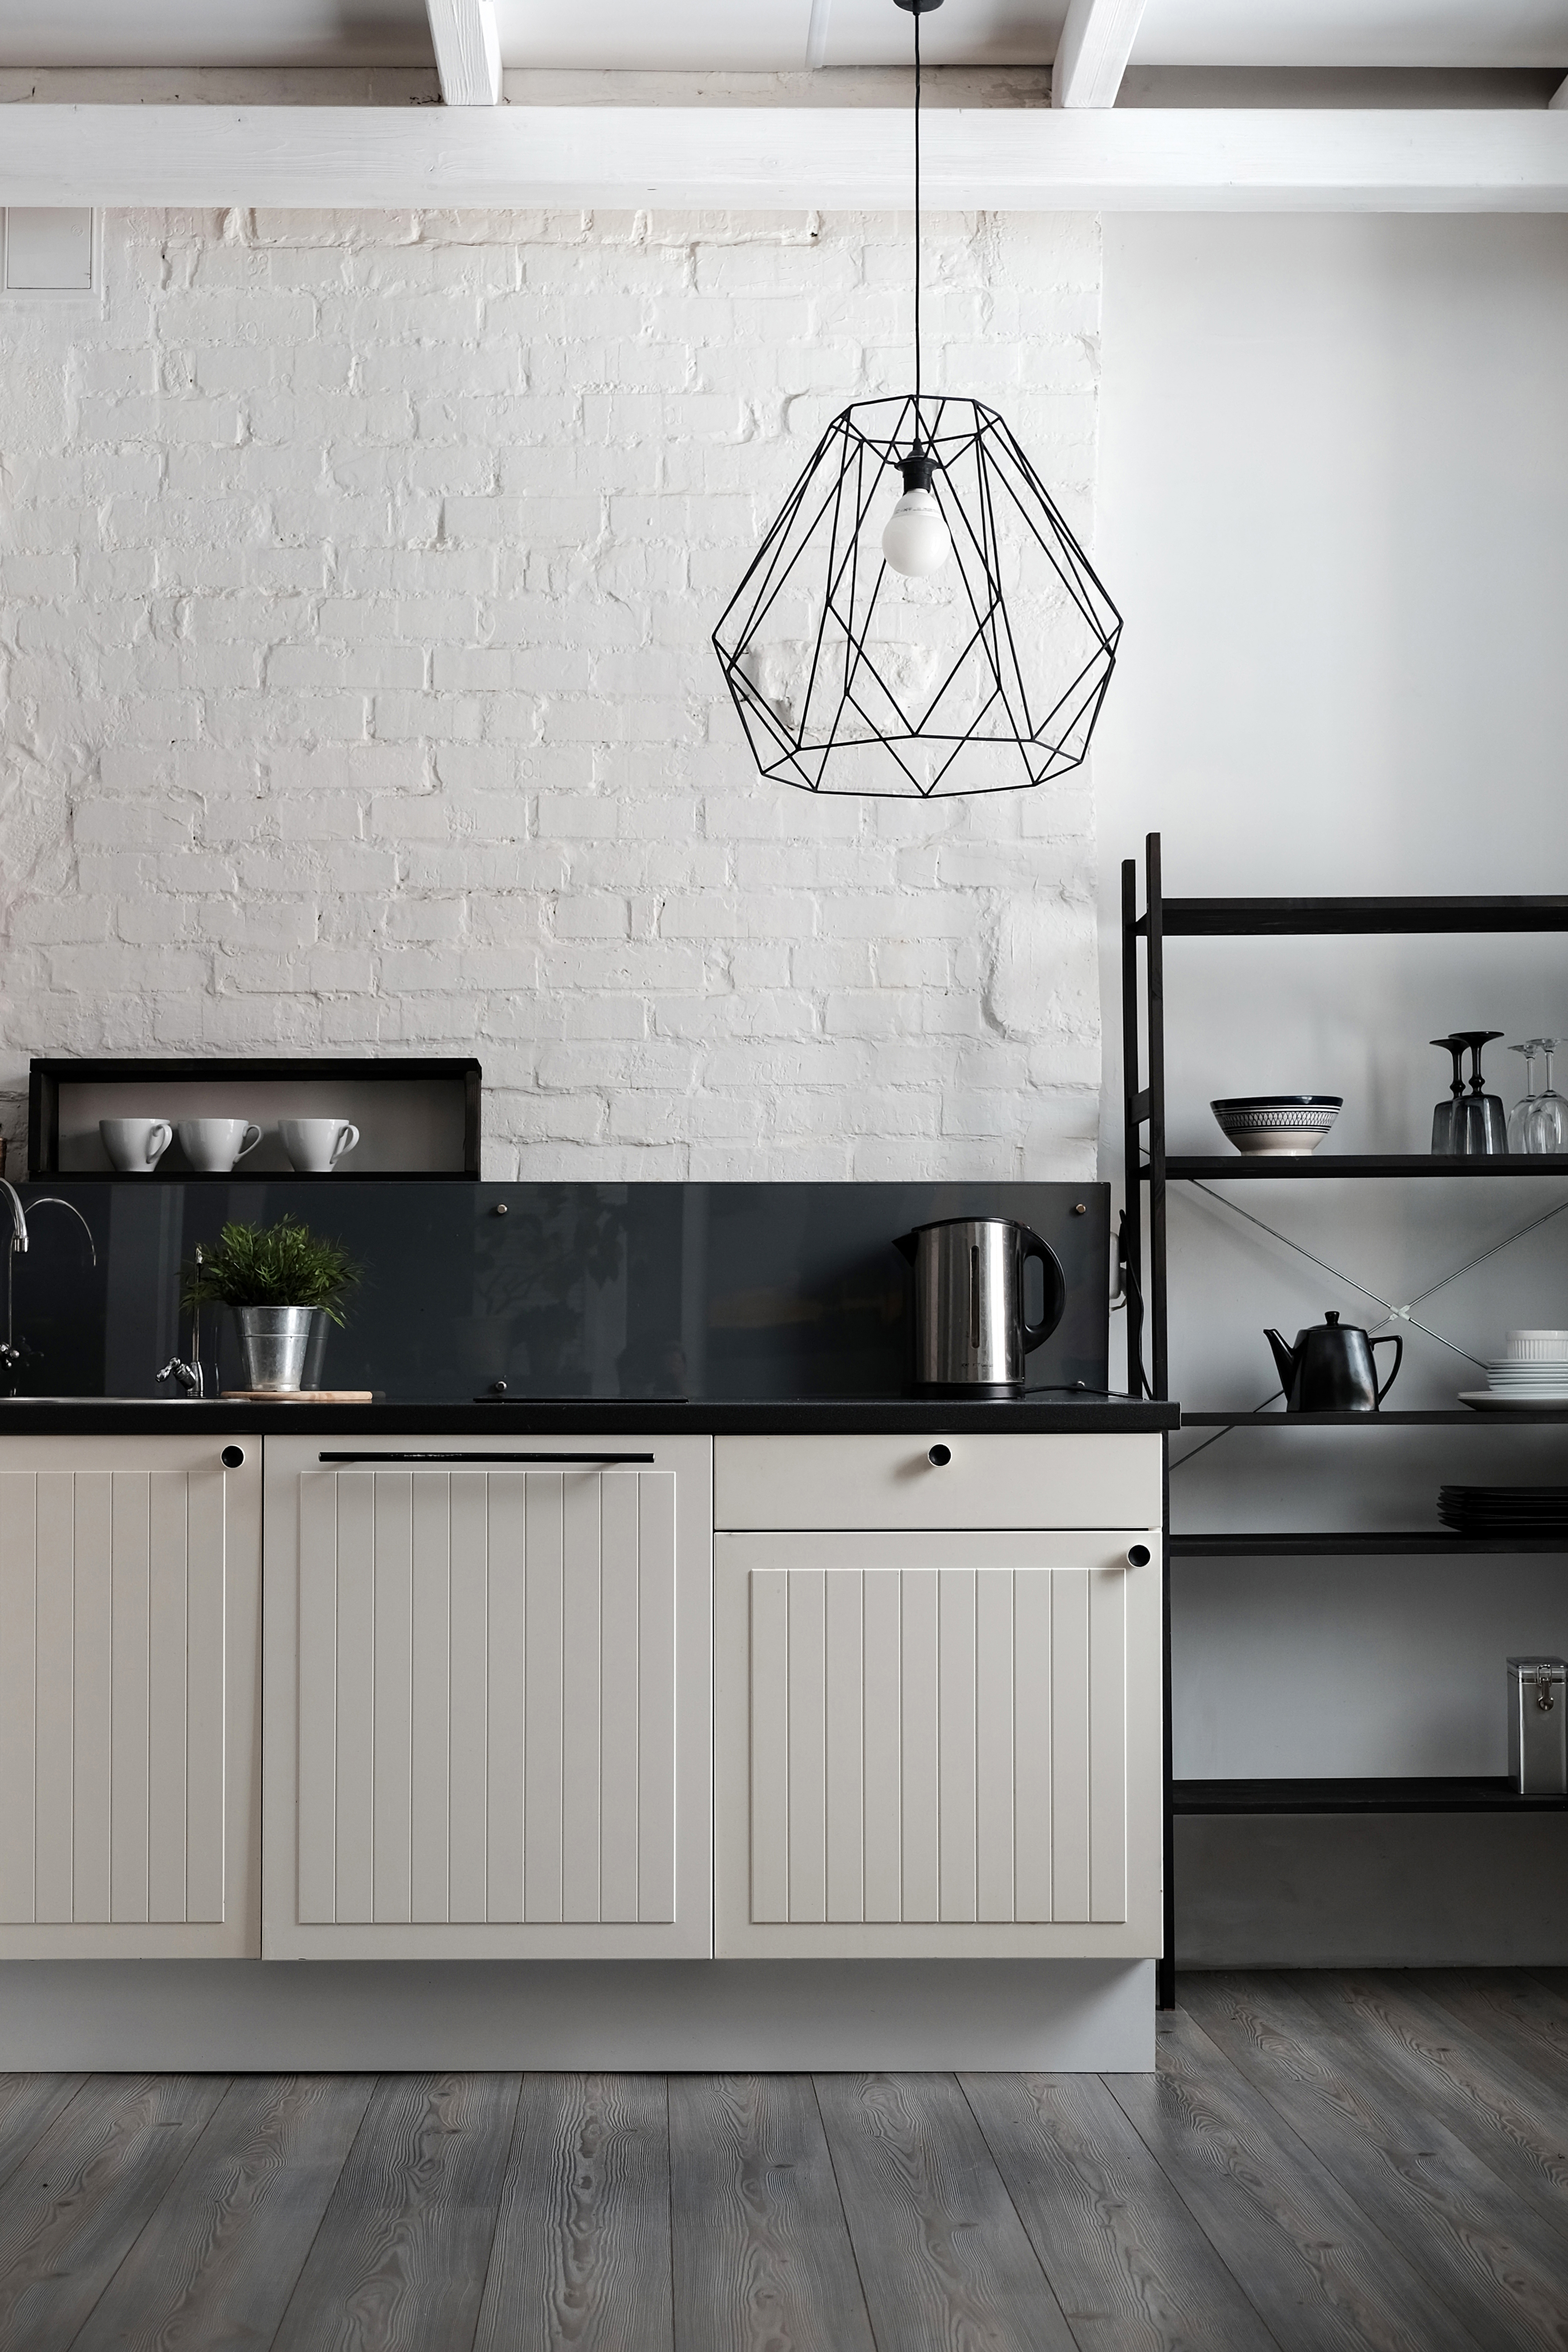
x=273 y=1340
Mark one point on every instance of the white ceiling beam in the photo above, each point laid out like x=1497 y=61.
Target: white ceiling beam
x=467 y=51
x=1031 y=160
x=1092 y=53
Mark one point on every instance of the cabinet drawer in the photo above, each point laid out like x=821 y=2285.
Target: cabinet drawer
x=1098 y=1480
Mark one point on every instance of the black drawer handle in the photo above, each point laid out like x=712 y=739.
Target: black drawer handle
x=600 y=1458
x=1138 y=1555
x=232 y=1456
x=939 y=1456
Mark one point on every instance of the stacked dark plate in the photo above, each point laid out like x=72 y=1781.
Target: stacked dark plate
x=1504 y=1510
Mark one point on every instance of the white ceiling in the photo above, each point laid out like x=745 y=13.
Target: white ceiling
x=777 y=35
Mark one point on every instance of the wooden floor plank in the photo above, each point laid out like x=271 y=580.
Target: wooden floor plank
x=944 y=2260
x=28 y=2105
x=581 y=2258
x=1499 y=2266
x=761 y=2255
x=1130 y=2266
x=1510 y=2009
x=1321 y=2275
x=399 y=2262
x=1498 y=2107
x=217 y=2261
x=81 y=2198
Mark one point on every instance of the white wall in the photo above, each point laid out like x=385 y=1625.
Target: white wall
x=356 y=577
x=1334 y=509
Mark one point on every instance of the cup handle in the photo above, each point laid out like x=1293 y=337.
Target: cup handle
x=345 y=1140
x=252 y=1138
x=158 y=1142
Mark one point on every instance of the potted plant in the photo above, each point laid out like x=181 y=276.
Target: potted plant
x=276 y=1279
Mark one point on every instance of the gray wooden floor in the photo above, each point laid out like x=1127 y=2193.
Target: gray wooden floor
x=1322 y=2160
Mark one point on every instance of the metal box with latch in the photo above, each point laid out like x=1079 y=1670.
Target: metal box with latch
x=1538 y=1726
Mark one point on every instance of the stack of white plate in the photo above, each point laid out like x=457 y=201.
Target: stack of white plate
x=1533 y=1372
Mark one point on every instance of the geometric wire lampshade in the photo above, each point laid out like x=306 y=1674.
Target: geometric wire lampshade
x=850 y=677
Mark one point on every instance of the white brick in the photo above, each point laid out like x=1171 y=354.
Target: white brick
x=367 y=566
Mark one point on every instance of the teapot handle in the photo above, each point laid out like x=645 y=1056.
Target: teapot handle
x=1398 y=1344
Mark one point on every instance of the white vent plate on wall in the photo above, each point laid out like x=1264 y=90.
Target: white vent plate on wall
x=51 y=253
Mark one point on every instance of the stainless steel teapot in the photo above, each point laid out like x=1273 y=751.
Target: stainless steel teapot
x=1331 y=1369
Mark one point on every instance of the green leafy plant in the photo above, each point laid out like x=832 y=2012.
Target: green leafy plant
x=285 y=1265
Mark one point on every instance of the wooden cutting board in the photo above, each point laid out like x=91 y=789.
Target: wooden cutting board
x=299 y=1396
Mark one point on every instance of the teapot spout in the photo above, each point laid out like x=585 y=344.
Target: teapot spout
x=1286 y=1359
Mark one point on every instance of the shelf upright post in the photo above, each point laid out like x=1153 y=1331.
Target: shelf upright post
x=1156 y=969
x=1132 y=1118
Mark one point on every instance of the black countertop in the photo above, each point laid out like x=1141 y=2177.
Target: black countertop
x=601 y=1416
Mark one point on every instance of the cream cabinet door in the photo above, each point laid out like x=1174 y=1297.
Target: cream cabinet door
x=938 y=1743
x=130 y=1599
x=488 y=1699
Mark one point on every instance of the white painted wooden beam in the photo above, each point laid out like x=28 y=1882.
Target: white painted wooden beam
x=1092 y=53
x=467 y=51
x=1032 y=160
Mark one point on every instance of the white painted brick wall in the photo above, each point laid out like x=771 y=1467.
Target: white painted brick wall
x=356 y=577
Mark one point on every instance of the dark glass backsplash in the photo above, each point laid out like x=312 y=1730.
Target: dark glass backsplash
x=579 y=1290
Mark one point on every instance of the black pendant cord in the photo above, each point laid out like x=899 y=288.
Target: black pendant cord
x=917 y=16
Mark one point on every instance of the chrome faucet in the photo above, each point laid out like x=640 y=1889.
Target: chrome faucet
x=188 y=1372
x=10 y=1353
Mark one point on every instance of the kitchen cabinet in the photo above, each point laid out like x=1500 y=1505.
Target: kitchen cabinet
x=129 y=1597
x=940 y=1735
x=488 y=1713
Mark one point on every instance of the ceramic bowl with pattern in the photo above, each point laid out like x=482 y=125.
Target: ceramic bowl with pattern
x=1277 y=1126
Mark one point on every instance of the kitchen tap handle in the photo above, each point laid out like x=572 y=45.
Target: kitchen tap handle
x=1398 y=1359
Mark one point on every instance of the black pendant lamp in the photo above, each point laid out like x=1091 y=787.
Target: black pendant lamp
x=919 y=621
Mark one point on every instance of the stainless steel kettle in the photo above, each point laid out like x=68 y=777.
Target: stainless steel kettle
x=971 y=1334
x=1331 y=1369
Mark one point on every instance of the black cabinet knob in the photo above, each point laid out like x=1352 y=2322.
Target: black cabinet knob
x=939 y=1456
x=233 y=1456
x=1138 y=1555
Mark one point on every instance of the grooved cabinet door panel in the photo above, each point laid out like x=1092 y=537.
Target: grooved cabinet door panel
x=128 y=1655
x=935 y=1743
x=509 y=1752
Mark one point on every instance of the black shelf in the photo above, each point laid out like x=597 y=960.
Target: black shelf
x=1464 y=1418
x=1209 y=1168
x=1481 y=1795
x=1148 y=1175
x=242 y=1174
x=1362 y=1543
x=1277 y=918
x=458 y=1075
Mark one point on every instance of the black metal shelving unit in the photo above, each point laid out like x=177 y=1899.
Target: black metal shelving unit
x=1147 y=1171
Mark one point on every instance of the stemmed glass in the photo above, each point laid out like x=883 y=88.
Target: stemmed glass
x=1546 y=1129
x=1518 y=1116
x=1480 y=1123
x=1446 y=1115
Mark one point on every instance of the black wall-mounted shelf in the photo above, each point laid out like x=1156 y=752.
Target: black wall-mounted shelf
x=1148 y=1174
x=1294 y=1168
x=1484 y=1794
x=1365 y=1544
x=436 y=1099
x=1288 y=918
x=1277 y=1418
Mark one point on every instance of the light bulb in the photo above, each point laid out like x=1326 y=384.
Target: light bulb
x=916 y=540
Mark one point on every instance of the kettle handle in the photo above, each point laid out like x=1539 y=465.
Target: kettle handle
x=1056 y=1298
x=1398 y=1359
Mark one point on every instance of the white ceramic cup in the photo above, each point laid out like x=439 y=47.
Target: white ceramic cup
x=316 y=1145
x=135 y=1146
x=212 y=1145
